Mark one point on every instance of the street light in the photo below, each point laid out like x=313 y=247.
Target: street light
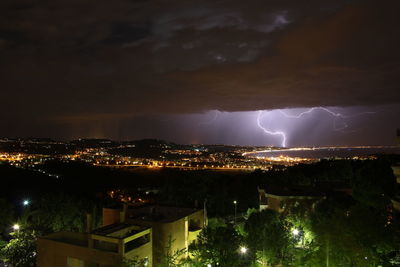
x=16 y=227
x=295 y=232
x=243 y=250
x=235 y=203
x=26 y=202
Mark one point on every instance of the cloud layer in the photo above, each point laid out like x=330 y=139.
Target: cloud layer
x=73 y=62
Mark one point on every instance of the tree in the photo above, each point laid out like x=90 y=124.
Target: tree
x=218 y=247
x=268 y=236
x=171 y=258
x=136 y=262
x=352 y=234
x=61 y=212
x=6 y=215
x=21 y=249
x=374 y=183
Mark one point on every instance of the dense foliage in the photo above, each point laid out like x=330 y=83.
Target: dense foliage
x=21 y=249
x=358 y=230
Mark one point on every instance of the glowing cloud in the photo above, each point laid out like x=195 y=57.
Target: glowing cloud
x=335 y=115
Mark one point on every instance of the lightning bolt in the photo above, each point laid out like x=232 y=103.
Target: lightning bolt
x=336 y=116
x=214 y=118
x=280 y=133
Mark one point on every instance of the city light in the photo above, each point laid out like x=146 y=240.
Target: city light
x=26 y=202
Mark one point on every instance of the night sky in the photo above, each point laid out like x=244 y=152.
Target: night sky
x=200 y=71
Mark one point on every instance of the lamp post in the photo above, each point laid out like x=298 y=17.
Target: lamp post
x=235 y=204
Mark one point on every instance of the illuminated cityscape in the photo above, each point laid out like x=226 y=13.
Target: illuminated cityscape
x=206 y=133
x=105 y=153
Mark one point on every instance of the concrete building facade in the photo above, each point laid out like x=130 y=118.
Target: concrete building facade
x=173 y=228
x=105 y=247
x=144 y=233
x=280 y=199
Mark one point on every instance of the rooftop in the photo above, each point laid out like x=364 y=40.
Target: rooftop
x=156 y=213
x=119 y=230
x=292 y=192
x=78 y=239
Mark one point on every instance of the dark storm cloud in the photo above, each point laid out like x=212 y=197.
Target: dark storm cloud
x=85 y=61
x=349 y=58
x=125 y=32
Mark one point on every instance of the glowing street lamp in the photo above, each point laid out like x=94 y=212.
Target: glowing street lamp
x=16 y=227
x=298 y=236
x=243 y=250
x=26 y=202
x=295 y=232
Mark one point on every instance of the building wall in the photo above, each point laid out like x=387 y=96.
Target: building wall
x=193 y=236
x=274 y=204
x=111 y=216
x=396 y=172
x=145 y=251
x=162 y=234
x=197 y=218
x=280 y=203
x=55 y=254
x=173 y=235
x=177 y=232
x=73 y=250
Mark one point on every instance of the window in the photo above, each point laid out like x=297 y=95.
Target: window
x=137 y=242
